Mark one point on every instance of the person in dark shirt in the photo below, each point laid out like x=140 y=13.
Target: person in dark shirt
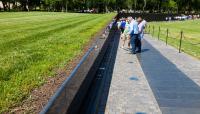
x=123 y=25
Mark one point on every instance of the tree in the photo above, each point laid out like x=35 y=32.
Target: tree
x=104 y=5
x=66 y=5
x=145 y=3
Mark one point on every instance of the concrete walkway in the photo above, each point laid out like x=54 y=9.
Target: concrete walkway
x=174 y=77
x=129 y=90
x=159 y=80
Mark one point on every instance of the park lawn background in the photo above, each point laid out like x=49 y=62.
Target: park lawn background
x=191 y=33
x=33 y=44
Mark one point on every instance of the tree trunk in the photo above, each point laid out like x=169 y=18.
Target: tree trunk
x=66 y=6
x=177 y=11
x=9 y=5
x=4 y=6
x=189 y=7
x=145 y=3
x=106 y=8
x=159 y=6
x=27 y=7
x=35 y=7
x=135 y=3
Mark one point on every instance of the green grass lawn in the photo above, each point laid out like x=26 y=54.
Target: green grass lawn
x=33 y=44
x=191 y=33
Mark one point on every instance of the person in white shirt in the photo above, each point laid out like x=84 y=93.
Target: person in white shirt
x=134 y=32
x=142 y=25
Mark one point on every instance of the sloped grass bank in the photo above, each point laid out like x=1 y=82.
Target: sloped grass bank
x=33 y=44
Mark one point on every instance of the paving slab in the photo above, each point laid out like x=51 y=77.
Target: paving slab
x=129 y=92
x=174 y=77
x=158 y=81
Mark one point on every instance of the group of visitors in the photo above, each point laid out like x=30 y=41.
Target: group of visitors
x=182 y=17
x=132 y=31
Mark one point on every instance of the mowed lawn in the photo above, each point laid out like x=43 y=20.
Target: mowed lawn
x=191 y=33
x=33 y=44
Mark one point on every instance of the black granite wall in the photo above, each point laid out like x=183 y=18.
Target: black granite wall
x=148 y=16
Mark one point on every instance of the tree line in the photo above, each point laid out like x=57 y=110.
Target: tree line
x=101 y=5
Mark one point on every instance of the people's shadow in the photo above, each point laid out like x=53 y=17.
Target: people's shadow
x=144 y=50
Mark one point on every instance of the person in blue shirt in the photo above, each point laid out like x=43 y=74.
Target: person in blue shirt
x=134 y=34
x=123 y=25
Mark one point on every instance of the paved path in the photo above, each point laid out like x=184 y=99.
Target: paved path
x=157 y=80
x=173 y=77
x=129 y=91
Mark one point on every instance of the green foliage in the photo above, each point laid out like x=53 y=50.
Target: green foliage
x=129 y=4
x=172 y=4
x=31 y=49
x=104 y=5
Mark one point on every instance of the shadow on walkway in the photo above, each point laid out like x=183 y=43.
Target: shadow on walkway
x=174 y=91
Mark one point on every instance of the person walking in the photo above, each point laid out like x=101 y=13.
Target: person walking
x=141 y=26
x=134 y=34
x=125 y=35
